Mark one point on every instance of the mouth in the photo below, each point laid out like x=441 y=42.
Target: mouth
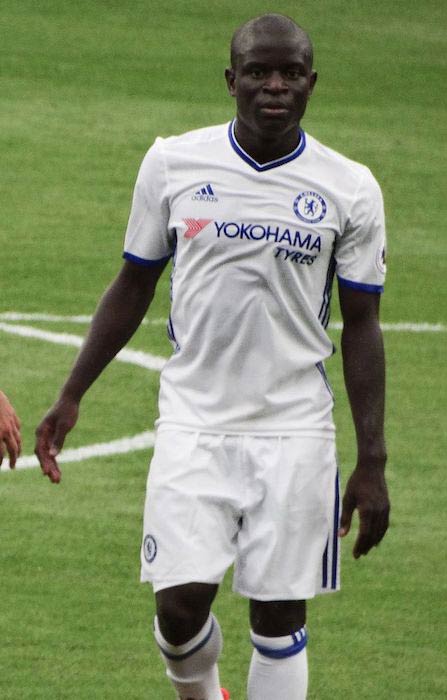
x=274 y=110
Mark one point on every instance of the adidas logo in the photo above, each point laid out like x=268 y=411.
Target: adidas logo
x=205 y=194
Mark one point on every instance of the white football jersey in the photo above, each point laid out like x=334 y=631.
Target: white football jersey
x=254 y=248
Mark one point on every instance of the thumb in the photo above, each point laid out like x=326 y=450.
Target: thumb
x=57 y=442
x=346 y=517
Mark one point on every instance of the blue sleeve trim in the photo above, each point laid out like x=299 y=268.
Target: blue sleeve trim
x=143 y=261
x=373 y=288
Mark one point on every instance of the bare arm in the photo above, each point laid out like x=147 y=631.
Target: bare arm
x=364 y=372
x=10 y=440
x=116 y=319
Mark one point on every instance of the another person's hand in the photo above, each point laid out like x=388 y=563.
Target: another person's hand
x=10 y=440
x=50 y=436
x=366 y=490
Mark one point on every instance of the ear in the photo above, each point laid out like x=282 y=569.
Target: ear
x=230 y=77
x=313 y=80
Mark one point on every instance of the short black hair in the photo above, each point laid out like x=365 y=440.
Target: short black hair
x=266 y=23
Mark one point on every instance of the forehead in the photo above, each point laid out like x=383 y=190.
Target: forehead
x=274 y=48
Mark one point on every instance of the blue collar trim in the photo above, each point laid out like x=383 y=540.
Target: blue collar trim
x=272 y=163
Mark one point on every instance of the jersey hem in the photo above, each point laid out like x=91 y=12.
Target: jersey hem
x=288 y=595
x=164 y=425
x=161 y=584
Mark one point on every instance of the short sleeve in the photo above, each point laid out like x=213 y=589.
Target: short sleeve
x=360 y=250
x=148 y=239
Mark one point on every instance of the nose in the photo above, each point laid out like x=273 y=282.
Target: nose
x=275 y=82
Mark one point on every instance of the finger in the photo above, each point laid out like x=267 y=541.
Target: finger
x=19 y=446
x=42 y=454
x=57 y=442
x=362 y=546
x=381 y=526
x=385 y=524
x=365 y=539
x=346 y=516
x=55 y=474
x=48 y=464
x=50 y=468
x=18 y=439
x=13 y=450
x=43 y=440
x=13 y=454
x=345 y=522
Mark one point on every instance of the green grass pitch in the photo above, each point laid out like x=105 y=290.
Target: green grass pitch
x=85 y=88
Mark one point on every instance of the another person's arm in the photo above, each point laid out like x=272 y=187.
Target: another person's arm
x=116 y=319
x=10 y=440
x=364 y=372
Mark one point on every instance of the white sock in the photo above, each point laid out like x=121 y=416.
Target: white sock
x=278 y=667
x=192 y=667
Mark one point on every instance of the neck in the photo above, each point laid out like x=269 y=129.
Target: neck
x=265 y=148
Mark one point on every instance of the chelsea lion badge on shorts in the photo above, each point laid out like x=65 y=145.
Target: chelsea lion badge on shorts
x=310 y=207
x=149 y=548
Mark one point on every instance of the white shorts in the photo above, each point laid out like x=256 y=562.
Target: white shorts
x=269 y=505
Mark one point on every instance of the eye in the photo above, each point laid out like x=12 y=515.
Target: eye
x=257 y=73
x=292 y=74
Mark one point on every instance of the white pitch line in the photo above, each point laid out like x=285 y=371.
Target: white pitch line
x=56 y=318
x=142 y=441
x=402 y=327
x=399 y=327
x=414 y=327
x=121 y=446
x=17 y=316
x=132 y=357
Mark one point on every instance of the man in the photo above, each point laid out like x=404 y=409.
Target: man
x=10 y=440
x=257 y=216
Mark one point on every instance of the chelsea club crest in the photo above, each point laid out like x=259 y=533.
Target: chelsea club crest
x=310 y=207
x=149 y=548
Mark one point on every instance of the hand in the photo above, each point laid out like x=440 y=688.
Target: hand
x=10 y=439
x=50 y=436
x=366 y=490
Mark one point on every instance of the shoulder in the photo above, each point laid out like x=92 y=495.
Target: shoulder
x=194 y=139
x=338 y=165
x=185 y=150
x=182 y=153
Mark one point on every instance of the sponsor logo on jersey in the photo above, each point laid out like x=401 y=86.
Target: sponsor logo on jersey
x=272 y=234
x=205 y=194
x=310 y=207
x=295 y=256
x=149 y=548
x=287 y=240
x=194 y=226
